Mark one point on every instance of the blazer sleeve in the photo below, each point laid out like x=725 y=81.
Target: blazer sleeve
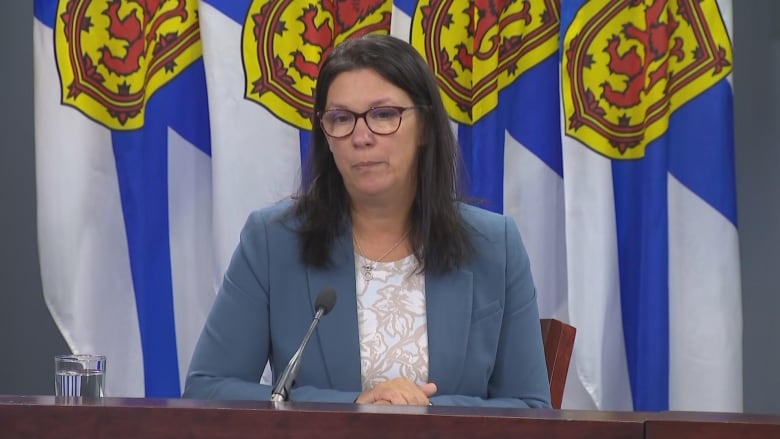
x=234 y=346
x=519 y=377
x=520 y=369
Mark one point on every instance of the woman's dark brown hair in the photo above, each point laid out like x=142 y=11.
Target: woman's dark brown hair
x=438 y=235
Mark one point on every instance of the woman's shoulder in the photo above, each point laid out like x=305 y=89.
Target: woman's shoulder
x=489 y=227
x=279 y=214
x=481 y=219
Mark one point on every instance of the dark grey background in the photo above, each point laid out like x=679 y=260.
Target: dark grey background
x=29 y=338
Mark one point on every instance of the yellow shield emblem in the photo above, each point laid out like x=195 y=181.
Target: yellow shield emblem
x=476 y=48
x=628 y=65
x=113 y=55
x=285 y=41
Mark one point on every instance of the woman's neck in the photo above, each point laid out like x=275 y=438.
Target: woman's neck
x=380 y=220
x=379 y=227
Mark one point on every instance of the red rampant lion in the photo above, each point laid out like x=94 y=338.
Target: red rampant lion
x=346 y=16
x=654 y=39
x=136 y=34
x=489 y=13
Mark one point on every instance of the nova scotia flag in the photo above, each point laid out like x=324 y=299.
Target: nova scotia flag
x=124 y=185
x=651 y=231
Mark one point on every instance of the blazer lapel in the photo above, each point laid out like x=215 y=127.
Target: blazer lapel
x=448 y=308
x=338 y=331
x=448 y=300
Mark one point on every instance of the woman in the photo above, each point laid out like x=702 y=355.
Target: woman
x=436 y=304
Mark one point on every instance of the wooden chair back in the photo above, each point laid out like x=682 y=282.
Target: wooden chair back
x=558 y=339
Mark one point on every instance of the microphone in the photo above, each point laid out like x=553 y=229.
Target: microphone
x=322 y=306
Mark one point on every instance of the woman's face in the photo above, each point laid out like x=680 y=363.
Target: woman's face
x=374 y=166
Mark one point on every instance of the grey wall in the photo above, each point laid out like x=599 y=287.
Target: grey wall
x=757 y=125
x=29 y=339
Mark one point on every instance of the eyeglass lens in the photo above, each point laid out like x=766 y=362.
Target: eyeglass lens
x=380 y=120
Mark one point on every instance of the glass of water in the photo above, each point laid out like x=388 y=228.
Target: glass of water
x=81 y=375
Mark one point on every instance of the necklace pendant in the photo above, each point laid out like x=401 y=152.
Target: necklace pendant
x=367 y=274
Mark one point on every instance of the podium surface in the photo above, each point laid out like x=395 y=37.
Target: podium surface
x=45 y=417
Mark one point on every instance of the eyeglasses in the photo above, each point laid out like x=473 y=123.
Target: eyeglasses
x=380 y=120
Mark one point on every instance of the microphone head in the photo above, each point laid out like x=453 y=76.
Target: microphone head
x=325 y=300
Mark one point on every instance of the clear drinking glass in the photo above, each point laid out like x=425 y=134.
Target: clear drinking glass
x=81 y=375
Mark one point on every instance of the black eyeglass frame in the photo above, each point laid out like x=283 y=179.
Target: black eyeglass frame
x=362 y=115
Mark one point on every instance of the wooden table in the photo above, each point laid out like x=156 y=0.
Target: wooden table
x=42 y=417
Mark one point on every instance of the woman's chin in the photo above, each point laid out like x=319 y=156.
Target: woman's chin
x=376 y=190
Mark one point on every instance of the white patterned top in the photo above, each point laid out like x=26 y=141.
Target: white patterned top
x=391 y=321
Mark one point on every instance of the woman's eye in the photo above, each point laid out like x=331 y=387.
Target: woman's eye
x=340 y=117
x=384 y=113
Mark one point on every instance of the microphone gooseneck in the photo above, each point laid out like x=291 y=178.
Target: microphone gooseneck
x=322 y=306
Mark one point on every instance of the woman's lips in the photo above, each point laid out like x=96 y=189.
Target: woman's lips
x=365 y=165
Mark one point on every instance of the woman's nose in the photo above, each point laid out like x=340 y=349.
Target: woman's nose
x=361 y=135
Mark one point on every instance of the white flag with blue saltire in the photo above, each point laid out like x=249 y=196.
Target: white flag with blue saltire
x=593 y=215
x=124 y=185
x=651 y=236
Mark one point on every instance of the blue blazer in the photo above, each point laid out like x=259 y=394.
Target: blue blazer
x=484 y=338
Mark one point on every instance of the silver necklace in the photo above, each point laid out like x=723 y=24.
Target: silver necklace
x=368 y=266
